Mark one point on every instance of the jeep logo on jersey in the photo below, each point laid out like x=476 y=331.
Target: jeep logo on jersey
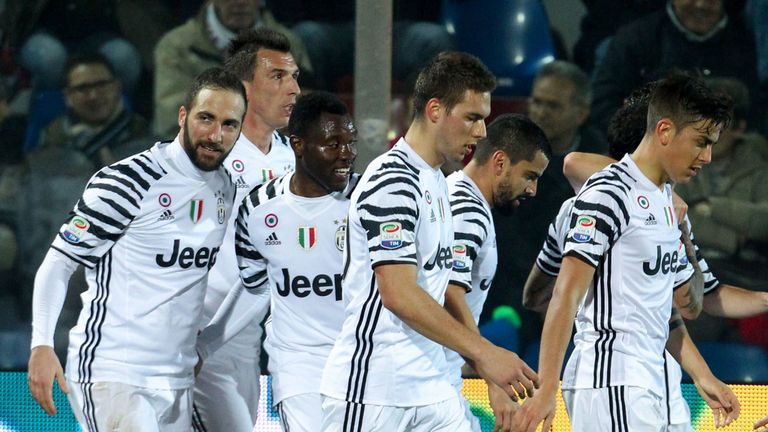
x=195 y=210
x=584 y=230
x=460 y=257
x=442 y=259
x=391 y=235
x=664 y=262
x=75 y=230
x=306 y=237
x=188 y=257
x=322 y=285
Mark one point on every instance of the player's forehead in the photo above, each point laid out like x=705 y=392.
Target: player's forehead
x=268 y=60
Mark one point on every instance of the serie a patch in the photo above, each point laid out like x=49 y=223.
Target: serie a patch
x=584 y=230
x=76 y=229
x=391 y=235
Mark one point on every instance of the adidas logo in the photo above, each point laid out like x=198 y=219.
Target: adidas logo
x=240 y=183
x=651 y=220
x=167 y=215
x=272 y=240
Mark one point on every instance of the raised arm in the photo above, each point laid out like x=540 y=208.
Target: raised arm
x=579 y=166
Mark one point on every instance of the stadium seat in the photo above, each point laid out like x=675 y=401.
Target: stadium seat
x=735 y=362
x=511 y=37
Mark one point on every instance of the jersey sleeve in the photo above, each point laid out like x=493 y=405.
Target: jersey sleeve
x=551 y=254
x=470 y=222
x=388 y=211
x=711 y=283
x=110 y=202
x=598 y=218
x=253 y=267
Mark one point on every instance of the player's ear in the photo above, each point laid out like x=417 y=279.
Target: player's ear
x=432 y=109
x=182 y=116
x=499 y=158
x=297 y=144
x=665 y=130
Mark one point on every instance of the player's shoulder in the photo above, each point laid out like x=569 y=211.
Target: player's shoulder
x=280 y=140
x=267 y=193
x=136 y=172
x=619 y=178
x=465 y=198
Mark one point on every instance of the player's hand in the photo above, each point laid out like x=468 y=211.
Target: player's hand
x=681 y=207
x=508 y=371
x=762 y=423
x=720 y=398
x=504 y=408
x=43 y=367
x=539 y=408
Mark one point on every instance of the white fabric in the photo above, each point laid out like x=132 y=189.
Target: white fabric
x=445 y=416
x=147 y=229
x=474 y=253
x=624 y=226
x=111 y=406
x=399 y=214
x=679 y=412
x=50 y=291
x=471 y=418
x=301 y=413
x=293 y=246
x=615 y=409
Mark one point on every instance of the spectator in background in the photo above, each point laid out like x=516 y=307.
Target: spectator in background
x=201 y=43
x=97 y=122
x=559 y=104
x=328 y=31
x=698 y=36
x=728 y=201
x=46 y=32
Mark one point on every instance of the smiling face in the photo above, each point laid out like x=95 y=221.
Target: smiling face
x=272 y=91
x=461 y=128
x=515 y=182
x=326 y=155
x=211 y=126
x=688 y=149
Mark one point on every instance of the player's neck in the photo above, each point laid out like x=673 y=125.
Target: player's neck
x=423 y=140
x=258 y=132
x=648 y=156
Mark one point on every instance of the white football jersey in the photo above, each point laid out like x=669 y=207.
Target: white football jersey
x=294 y=246
x=474 y=252
x=147 y=229
x=249 y=167
x=623 y=225
x=399 y=214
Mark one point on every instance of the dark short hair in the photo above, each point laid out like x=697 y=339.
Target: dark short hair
x=514 y=134
x=582 y=90
x=215 y=78
x=686 y=99
x=245 y=47
x=447 y=77
x=627 y=126
x=310 y=107
x=91 y=58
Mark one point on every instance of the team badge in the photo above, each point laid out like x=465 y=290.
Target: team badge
x=164 y=199
x=221 y=209
x=584 y=230
x=238 y=166
x=428 y=197
x=195 y=210
x=267 y=174
x=391 y=235
x=460 y=257
x=270 y=220
x=307 y=237
x=76 y=228
x=643 y=202
x=341 y=237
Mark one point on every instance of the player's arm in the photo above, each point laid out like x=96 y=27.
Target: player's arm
x=402 y=296
x=735 y=302
x=50 y=290
x=571 y=285
x=579 y=166
x=718 y=396
x=537 y=291
x=762 y=423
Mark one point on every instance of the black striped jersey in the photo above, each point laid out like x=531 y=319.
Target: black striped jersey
x=147 y=229
x=293 y=246
x=249 y=167
x=624 y=225
x=399 y=214
x=474 y=252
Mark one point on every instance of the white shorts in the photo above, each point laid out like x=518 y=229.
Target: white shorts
x=227 y=390
x=301 y=413
x=473 y=421
x=111 y=406
x=445 y=416
x=615 y=409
